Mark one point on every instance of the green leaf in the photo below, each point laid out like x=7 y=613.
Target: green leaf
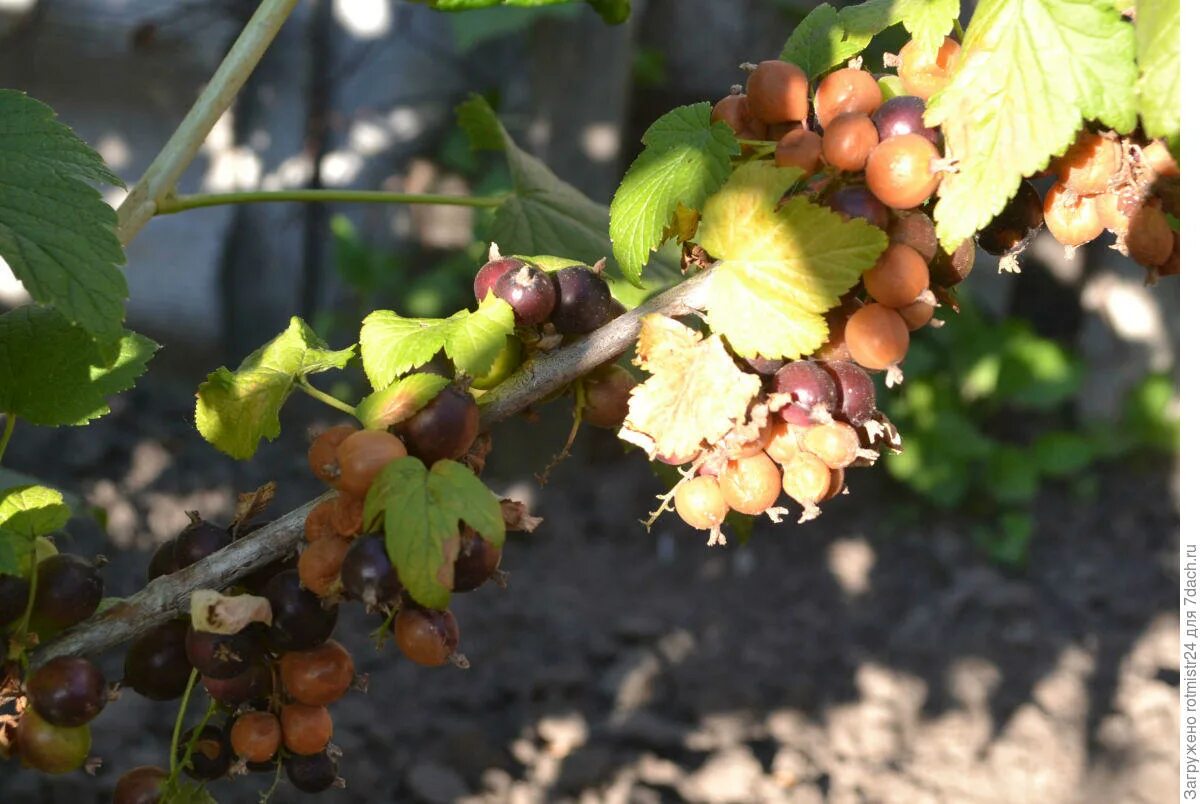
x=475 y=27
x=53 y=372
x=56 y=232
x=927 y=21
x=611 y=11
x=237 y=409
x=685 y=160
x=1008 y=543
x=1030 y=73
x=15 y=550
x=614 y=12
x=545 y=215
x=1011 y=476
x=399 y=400
x=421 y=511
x=1061 y=453
x=33 y=510
x=781 y=269
x=185 y=791
x=10 y=478
x=1152 y=413
x=820 y=42
x=1157 y=33
x=392 y=345
x=1036 y=373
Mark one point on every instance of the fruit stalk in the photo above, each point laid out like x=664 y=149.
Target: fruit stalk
x=168 y=595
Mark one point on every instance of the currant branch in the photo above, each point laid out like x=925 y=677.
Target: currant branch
x=166 y=596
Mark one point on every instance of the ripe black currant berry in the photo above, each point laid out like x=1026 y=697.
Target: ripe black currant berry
x=809 y=386
x=444 y=429
x=478 y=559
x=250 y=686
x=221 y=655
x=142 y=785
x=530 y=292
x=14 y=595
x=299 y=620
x=857 y=202
x=198 y=540
x=69 y=589
x=163 y=561
x=156 y=665
x=904 y=114
x=584 y=300
x=368 y=574
x=211 y=756
x=67 y=691
x=491 y=271
x=1015 y=226
x=312 y=773
x=947 y=270
x=855 y=391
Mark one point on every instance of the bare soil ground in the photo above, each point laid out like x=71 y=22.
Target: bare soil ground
x=849 y=660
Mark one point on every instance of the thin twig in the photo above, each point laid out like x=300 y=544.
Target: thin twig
x=169 y=594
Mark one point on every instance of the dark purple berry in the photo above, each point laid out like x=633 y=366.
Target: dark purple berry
x=142 y=785
x=904 y=114
x=199 y=540
x=763 y=366
x=156 y=665
x=298 y=619
x=947 y=270
x=368 y=574
x=69 y=589
x=221 y=655
x=14 y=596
x=252 y=685
x=445 y=428
x=485 y=280
x=809 y=385
x=584 y=301
x=530 y=292
x=855 y=391
x=478 y=559
x=67 y=691
x=1015 y=226
x=858 y=202
x=312 y=773
x=211 y=755
x=163 y=561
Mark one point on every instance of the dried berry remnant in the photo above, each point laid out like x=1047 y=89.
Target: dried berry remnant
x=584 y=301
x=444 y=429
x=777 y=92
x=846 y=91
x=848 y=141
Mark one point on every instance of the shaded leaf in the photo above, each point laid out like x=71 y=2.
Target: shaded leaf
x=820 y=42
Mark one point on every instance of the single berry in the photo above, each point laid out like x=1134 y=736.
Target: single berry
x=311 y=773
x=163 y=561
x=917 y=314
x=444 y=429
x=14 y=596
x=255 y=736
x=843 y=92
x=318 y=524
x=320 y=565
x=318 y=676
x=750 y=485
x=877 y=337
x=427 y=637
x=1089 y=164
x=322 y=452
x=583 y=300
x=856 y=392
x=1014 y=227
x=834 y=347
x=49 y=748
x=1072 y=219
x=809 y=387
x=858 y=202
x=67 y=691
x=346 y=515
x=806 y=479
x=142 y=785
x=835 y=443
x=904 y=115
x=199 y=540
x=1150 y=238
x=799 y=148
x=530 y=292
x=898 y=277
x=306 y=729
x=777 y=92
x=299 y=620
x=69 y=589
x=156 y=664
x=221 y=655
x=252 y=685
x=211 y=755
x=362 y=456
x=606 y=396
x=491 y=271
x=785 y=441
x=848 y=142
x=699 y=502
x=478 y=559
x=1156 y=157
x=368 y=574
x=947 y=270
x=916 y=230
x=924 y=74
x=901 y=171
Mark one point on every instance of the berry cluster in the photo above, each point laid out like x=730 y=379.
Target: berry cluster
x=45 y=719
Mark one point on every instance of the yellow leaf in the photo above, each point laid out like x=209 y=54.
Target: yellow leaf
x=695 y=394
x=782 y=266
